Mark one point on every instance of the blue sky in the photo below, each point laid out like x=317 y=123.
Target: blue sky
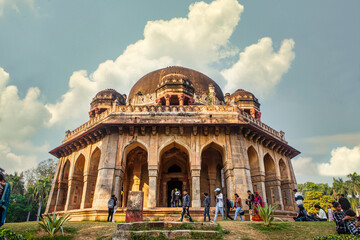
x=301 y=59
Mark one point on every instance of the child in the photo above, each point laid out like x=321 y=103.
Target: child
x=206 y=206
x=340 y=219
x=321 y=213
x=353 y=225
x=330 y=213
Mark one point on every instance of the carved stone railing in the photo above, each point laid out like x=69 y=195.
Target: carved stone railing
x=154 y=109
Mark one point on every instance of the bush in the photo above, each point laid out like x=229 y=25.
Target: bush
x=52 y=224
x=267 y=213
x=7 y=234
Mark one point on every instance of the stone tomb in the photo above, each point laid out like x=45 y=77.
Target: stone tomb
x=134 y=212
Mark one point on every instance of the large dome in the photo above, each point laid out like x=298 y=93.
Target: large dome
x=148 y=84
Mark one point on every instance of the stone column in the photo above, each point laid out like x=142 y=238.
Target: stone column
x=195 y=175
x=68 y=195
x=164 y=199
x=54 y=189
x=153 y=173
x=212 y=182
x=85 y=188
x=229 y=183
x=104 y=185
x=136 y=177
x=119 y=179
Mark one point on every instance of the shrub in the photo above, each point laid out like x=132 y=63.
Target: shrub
x=7 y=234
x=52 y=224
x=267 y=213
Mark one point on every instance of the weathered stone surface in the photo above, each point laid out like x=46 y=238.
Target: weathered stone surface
x=184 y=138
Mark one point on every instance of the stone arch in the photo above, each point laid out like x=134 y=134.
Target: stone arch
x=174 y=143
x=256 y=175
x=136 y=177
x=130 y=146
x=286 y=190
x=271 y=182
x=77 y=183
x=92 y=177
x=212 y=163
x=64 y=185
x=172 y=153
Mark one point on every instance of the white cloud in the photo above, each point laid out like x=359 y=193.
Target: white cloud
x=342 y=162
x=14 y=4
x=196 y=41
x=12 y=162
x=304 y=166
x=259 y=68
x=19 y=118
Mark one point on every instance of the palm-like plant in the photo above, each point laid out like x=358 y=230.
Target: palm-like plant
x=42 y=189
x=52 y=224
x=267 y=213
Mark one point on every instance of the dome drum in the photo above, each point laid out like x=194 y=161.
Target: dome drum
x=104 y=100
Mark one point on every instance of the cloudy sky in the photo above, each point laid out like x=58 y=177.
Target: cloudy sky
x=300 y=58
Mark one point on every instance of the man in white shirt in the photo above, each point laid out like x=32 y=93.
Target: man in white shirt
x=219 y=204
x=298 y=198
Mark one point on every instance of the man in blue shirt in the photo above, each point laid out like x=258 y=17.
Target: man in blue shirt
x=186 y=205
x=4 y=199
x=207 y=206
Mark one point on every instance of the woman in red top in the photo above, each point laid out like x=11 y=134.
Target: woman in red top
x=258 y=201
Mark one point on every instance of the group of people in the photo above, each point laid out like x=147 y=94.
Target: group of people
x=4 y=198
x=345 y=218
x=112 y=207
x=221 y=201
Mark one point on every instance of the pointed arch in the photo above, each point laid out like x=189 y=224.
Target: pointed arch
x=135 y=164
x=173 y=154
x=92 y=177
x=77 y=183
x=272 y=194
x=254 y=164
x=64 y=185
x=212 y=162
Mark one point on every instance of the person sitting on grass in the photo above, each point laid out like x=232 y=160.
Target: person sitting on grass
x=302 y=215
x=353 y=223
x=321 y=213
x=340 y=219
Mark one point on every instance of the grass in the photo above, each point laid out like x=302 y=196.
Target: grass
x=234 y=230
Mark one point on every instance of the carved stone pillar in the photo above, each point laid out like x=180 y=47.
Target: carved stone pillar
x=105 y=181
x=84 y=190
x=212 y=182
x=167 y=99
x=181 y=99
x=195 y=175
x=119 y=179
x=164 y=195
x=68 y=195
x=136 y=177
x=153 y=173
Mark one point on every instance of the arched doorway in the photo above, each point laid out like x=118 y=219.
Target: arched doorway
x=210 y=174
x=136 y=174
x=63 y=189
x=92 y=177
x=286 y=189
x=77 y=184
x=270 y=179
x=254 y=169
x=174 y=173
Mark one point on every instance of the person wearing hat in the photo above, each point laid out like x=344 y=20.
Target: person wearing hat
x=219 y=204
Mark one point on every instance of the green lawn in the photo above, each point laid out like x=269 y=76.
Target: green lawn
x=238 y=230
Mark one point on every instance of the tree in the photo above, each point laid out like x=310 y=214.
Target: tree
x=316 y=197
x=42 y=189
x=17 y=183
x=30 y=195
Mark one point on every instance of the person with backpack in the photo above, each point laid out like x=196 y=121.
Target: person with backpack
x=238 y=206
x=229 y=206
x=111 y=205
x=115 y=208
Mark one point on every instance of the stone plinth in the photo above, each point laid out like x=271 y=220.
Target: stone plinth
x=134 y=211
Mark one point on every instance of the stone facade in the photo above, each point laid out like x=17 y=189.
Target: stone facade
x=194 y=140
